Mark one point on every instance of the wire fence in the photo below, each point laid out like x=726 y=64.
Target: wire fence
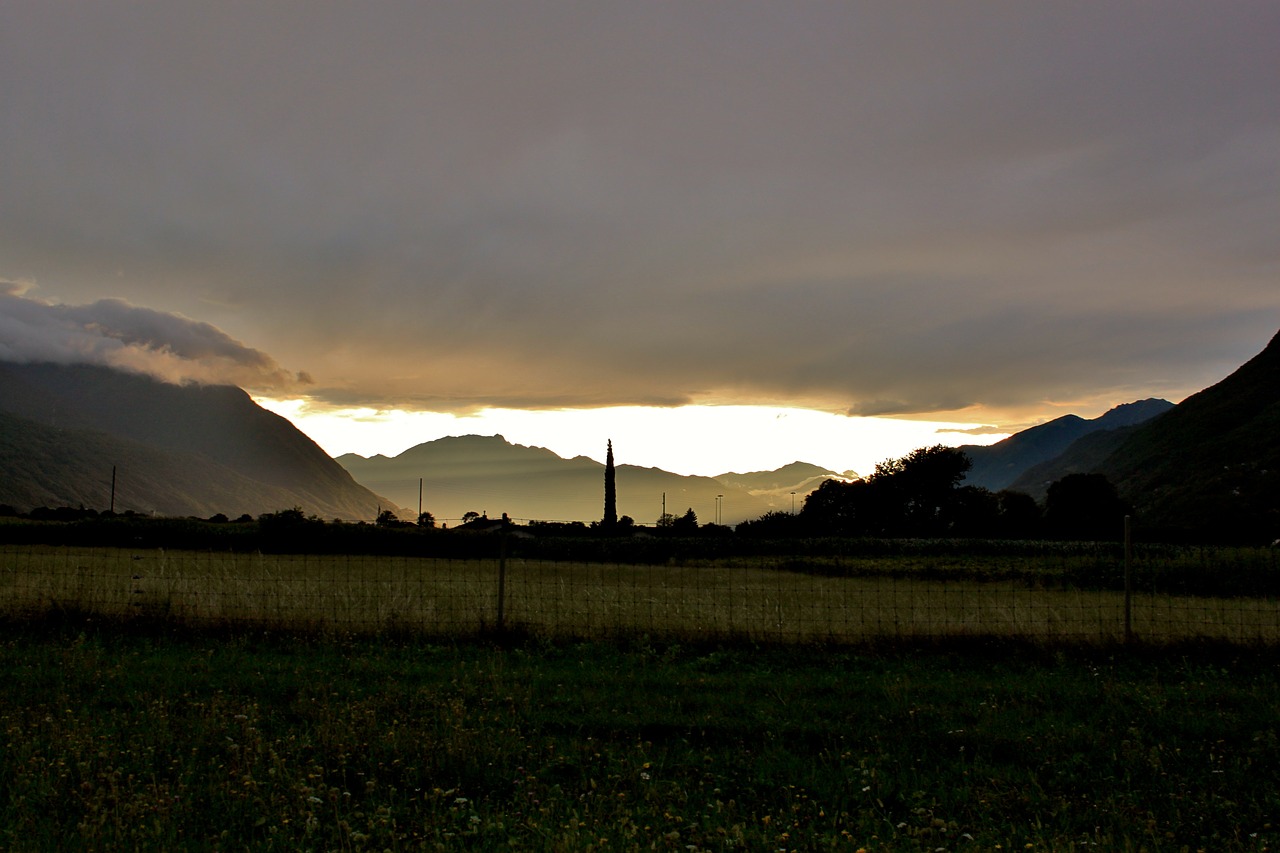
x=761 y=599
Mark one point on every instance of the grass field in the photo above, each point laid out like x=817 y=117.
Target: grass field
x=116 y=739
x=1051 y=601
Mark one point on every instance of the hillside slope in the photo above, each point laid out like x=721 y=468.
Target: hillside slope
x=183 y=449
x=1213 y=463
x=43 y=466
x=1210 y=466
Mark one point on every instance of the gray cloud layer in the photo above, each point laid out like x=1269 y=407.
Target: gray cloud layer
x=113 y=333
x=888 y=207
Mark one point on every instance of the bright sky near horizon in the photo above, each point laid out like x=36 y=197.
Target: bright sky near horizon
x=665 y=224
x=701 y=440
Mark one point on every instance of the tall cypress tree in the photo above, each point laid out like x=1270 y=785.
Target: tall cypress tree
x=610 y=490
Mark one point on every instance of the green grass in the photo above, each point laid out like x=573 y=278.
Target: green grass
x=241 y=741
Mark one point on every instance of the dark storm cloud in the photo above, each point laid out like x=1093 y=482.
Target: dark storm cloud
x=875 y=208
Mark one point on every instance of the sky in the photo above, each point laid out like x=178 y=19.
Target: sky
x=701 y=229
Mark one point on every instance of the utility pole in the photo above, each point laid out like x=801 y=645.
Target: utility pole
x=112 y=510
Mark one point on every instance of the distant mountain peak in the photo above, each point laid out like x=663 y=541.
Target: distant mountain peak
x=999 y=465
x=477 y=473
x=801 y=469
x=1128 y=414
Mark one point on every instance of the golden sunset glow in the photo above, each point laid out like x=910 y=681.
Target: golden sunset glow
x=702 y=440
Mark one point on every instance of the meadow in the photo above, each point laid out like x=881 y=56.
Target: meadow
x=1053 y=597
x=907 y=697
x=120 y=738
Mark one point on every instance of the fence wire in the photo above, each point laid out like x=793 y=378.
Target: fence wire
x=762 y=600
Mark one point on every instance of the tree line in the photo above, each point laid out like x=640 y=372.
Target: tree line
x=920 y=496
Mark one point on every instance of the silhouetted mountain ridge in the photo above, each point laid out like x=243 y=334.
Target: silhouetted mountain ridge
x=489 y=475
x=190 y=449
x=998 y=466
x=1210 y=465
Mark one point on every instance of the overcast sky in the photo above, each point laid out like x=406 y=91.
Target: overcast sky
x=990 y=212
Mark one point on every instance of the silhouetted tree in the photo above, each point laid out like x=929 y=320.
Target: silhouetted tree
x=687 y=523
x=1084 y=506
x=284 y=518
x=775 y=523
x=288 y=528
x=972 y=511
x=921 y=488
x=916 y=495
x=1020 y=516
x=610 y=491
x=838 y=507
x=426 y=520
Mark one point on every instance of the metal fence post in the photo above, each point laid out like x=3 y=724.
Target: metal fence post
x=502 y=579
x=1128 y=584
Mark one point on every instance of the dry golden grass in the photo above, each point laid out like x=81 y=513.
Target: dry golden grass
x=441 y=597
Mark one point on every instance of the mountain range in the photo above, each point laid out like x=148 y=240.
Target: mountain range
x=490 y=476
x=997 y=466
x=68 y=431
x=1209 y=465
